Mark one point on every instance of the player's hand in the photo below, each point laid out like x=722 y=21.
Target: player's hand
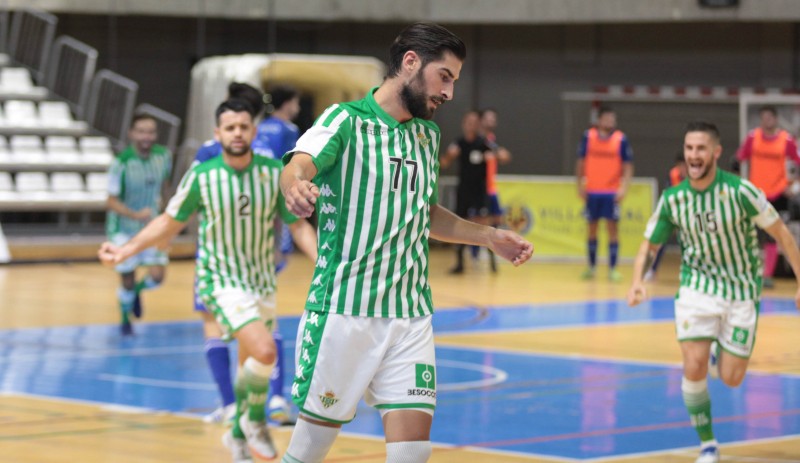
x=636 y=294
x=619 y=195
x=582 y=192
x=143 y=215
x=301 y=198
x=108 y=254
x=510 y=246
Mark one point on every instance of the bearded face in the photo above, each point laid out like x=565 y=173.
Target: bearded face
x=416 y=100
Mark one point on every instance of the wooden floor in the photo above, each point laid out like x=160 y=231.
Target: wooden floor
x=36 y=429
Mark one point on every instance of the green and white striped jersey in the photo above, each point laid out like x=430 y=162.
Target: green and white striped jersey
x=377 y=178
x=716 y=229
x=137 y=182
x=235 y=233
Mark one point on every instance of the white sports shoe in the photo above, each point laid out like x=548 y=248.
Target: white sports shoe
x=713 y=360
x=238 y=448
x=224 y=415
x=708 y=455
x=278 y=410
x=258 y=438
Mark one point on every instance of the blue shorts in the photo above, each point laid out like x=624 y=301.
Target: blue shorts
x=494 y=205
x=601 y=206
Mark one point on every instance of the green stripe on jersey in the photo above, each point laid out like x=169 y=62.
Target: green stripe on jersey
x=717 y=232
x=137 y=182
x=235 y=234
x=377 y=180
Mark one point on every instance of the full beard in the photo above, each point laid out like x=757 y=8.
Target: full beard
x=415 y=100
x=236 y=152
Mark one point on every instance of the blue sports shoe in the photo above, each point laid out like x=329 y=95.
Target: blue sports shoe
x=137 y=310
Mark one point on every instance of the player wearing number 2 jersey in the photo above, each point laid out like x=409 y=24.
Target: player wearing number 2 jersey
x=715 y=214
x=238 y=198
x=366 y=330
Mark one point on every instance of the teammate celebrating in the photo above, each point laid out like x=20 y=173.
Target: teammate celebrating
x=716 y=310
x=367 y=329
x=136 y=180
x=238 y=197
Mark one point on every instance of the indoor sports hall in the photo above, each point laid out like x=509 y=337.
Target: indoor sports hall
x=533 y=363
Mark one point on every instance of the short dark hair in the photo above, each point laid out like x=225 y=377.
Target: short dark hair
x=703 y=126
x=249 y=94
x=236 y=105
x=141 y=117
x=604 y=109
x=768 y=109
x=428 y=40
x=280 y=94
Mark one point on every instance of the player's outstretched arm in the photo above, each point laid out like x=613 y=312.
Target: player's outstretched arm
x=446 y=226
x=644 y=259
x=158 y=232
x=305 y=236
x=788 y=245
x=300 y=194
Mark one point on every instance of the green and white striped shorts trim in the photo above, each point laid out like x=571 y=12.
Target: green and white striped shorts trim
x=340 y=358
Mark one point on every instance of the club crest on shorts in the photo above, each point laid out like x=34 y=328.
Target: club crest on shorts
x=328 y=399
x=740 y=336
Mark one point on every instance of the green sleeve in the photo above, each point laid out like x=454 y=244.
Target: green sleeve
x=325 y=140
x=187 y=199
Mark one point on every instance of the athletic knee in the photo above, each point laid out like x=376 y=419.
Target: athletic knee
x=732 y=378
x=265 y=354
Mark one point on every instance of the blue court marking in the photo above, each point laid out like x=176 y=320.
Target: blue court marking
x=560 y=406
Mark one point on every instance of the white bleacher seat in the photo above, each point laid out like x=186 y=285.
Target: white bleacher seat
x=95 y=144
x=5 y=182
x=26 y=143
x=62 y=150
x=27 y=149
x=55 y=114
x=66 y=182
x=20 y=113
x=31 y=182
x=7 y=192
x=15 y=80
x=97 y=185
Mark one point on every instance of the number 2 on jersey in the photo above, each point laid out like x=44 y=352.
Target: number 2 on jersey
x=244 y=205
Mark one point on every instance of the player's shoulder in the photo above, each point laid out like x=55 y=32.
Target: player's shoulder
x=267 y=161
x=206 y=165
x=160 y=150
x=430 y=125
x=126 y=155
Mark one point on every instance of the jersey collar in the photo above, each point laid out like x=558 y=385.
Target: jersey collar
x=382 y=115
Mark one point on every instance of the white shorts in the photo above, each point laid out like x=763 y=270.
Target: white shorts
x=148 y=257
x=732 y=323
x=340 y=358
x=234 y=308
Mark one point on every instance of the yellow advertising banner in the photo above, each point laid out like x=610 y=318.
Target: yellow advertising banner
x=549 y=213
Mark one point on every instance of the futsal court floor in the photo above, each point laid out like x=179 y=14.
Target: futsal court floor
x=533 y=365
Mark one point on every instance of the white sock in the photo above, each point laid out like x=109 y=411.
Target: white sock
x=310 y=443
x=408 y=452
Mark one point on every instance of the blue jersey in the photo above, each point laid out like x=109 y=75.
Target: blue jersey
x=277 y=135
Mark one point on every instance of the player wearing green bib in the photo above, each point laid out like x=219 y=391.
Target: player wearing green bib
x=715 y=214
x=367 y=330
x=136 y=180
x=238 y=198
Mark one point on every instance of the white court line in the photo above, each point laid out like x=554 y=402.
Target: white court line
x=497 y=376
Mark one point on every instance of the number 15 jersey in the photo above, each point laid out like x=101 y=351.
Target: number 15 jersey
x=377 y=179
x=720 y=255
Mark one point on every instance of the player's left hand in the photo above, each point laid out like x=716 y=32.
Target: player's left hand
x=108 y=254
x=619 y=195
x=511 y=246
